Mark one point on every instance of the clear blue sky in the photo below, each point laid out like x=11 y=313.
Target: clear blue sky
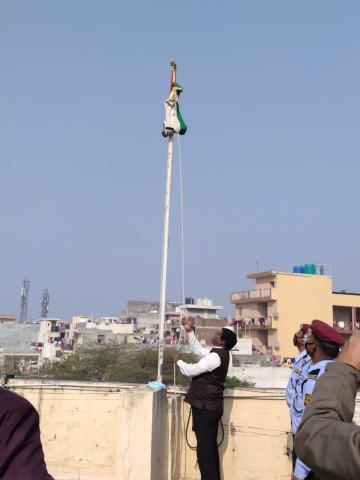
x=271 y=157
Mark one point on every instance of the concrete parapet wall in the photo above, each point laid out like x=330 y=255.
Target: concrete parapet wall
x=257 y=440
x=262 y=377
x=93 y=431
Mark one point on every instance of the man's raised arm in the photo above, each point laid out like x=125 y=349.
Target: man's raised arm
x=196 y=348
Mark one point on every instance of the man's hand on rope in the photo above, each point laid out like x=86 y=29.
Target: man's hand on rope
x=175 y=355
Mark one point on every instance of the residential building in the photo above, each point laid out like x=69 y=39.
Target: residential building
x=51 y=339
x=147 y=314
x=203 y=307
x=7 y=318
x=205 y=328
x=23 y=363
x=101 y=333
x=76 y=320
x=18 y=337
x=272 y=311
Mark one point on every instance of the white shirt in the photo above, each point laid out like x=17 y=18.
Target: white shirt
x=208 y=362
x=301 y=364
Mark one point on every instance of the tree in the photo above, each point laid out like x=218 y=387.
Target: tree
x=114 y=362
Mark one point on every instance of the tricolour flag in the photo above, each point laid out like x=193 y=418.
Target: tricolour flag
x=174 y=123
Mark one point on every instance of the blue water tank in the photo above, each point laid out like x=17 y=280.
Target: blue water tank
x=298 y=269
x=310 y=268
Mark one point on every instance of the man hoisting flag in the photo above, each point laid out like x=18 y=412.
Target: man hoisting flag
x=174 y=123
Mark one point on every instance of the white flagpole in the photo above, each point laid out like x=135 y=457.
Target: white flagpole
x=165 y=258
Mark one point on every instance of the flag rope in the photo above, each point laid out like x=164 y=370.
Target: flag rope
x=178 y=345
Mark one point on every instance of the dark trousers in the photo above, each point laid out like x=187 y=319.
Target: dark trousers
x=205 y=427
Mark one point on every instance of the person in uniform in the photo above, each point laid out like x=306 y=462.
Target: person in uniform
x=301 y=361
x=300 y=366
x=205 y=394
x=323 y=347
x=21 y=453
x=327 y=440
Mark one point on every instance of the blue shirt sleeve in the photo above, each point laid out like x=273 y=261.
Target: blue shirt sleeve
x=301 y=471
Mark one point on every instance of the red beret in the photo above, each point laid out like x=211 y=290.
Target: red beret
x=305 y=327
x=323 y=331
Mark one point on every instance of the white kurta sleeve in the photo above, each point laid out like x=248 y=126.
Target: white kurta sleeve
x=196 y=347
x=206 y=364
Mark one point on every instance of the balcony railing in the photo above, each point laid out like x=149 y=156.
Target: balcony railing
x=249 y=295
x=256 y=323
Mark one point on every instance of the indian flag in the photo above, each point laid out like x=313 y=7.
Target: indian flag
x=174 y=122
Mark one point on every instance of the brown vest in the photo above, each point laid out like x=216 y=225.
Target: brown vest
x=206 y=390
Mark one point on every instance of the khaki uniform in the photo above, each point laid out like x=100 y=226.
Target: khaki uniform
x=326 y=440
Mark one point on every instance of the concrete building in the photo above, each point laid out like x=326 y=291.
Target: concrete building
x=203 y=307
x=51 y=339
x=81 y=318
x=272 y=311
x=7 y=318
x=23 y=363
x=205 y=328
x=147 y=314
x=103 y=333
x=17 y=337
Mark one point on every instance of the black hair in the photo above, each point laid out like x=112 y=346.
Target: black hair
x=229 y=338
x=330 y=349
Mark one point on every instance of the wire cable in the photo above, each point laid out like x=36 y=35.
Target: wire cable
x=176 y=394
x=187 y=429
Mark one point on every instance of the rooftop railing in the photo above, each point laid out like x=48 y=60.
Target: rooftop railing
x=256 y=294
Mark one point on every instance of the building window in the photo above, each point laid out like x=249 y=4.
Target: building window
x=101 y=338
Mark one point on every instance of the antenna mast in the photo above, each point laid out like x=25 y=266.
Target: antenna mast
x=45 y=298
x=24 y=300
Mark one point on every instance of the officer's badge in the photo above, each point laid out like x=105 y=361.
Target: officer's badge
x=307 y=399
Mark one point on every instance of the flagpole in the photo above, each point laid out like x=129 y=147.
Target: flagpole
x=165 y=253
x=174 y=124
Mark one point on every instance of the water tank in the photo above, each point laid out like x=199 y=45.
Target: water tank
x=298 y=269
x=310 y=268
